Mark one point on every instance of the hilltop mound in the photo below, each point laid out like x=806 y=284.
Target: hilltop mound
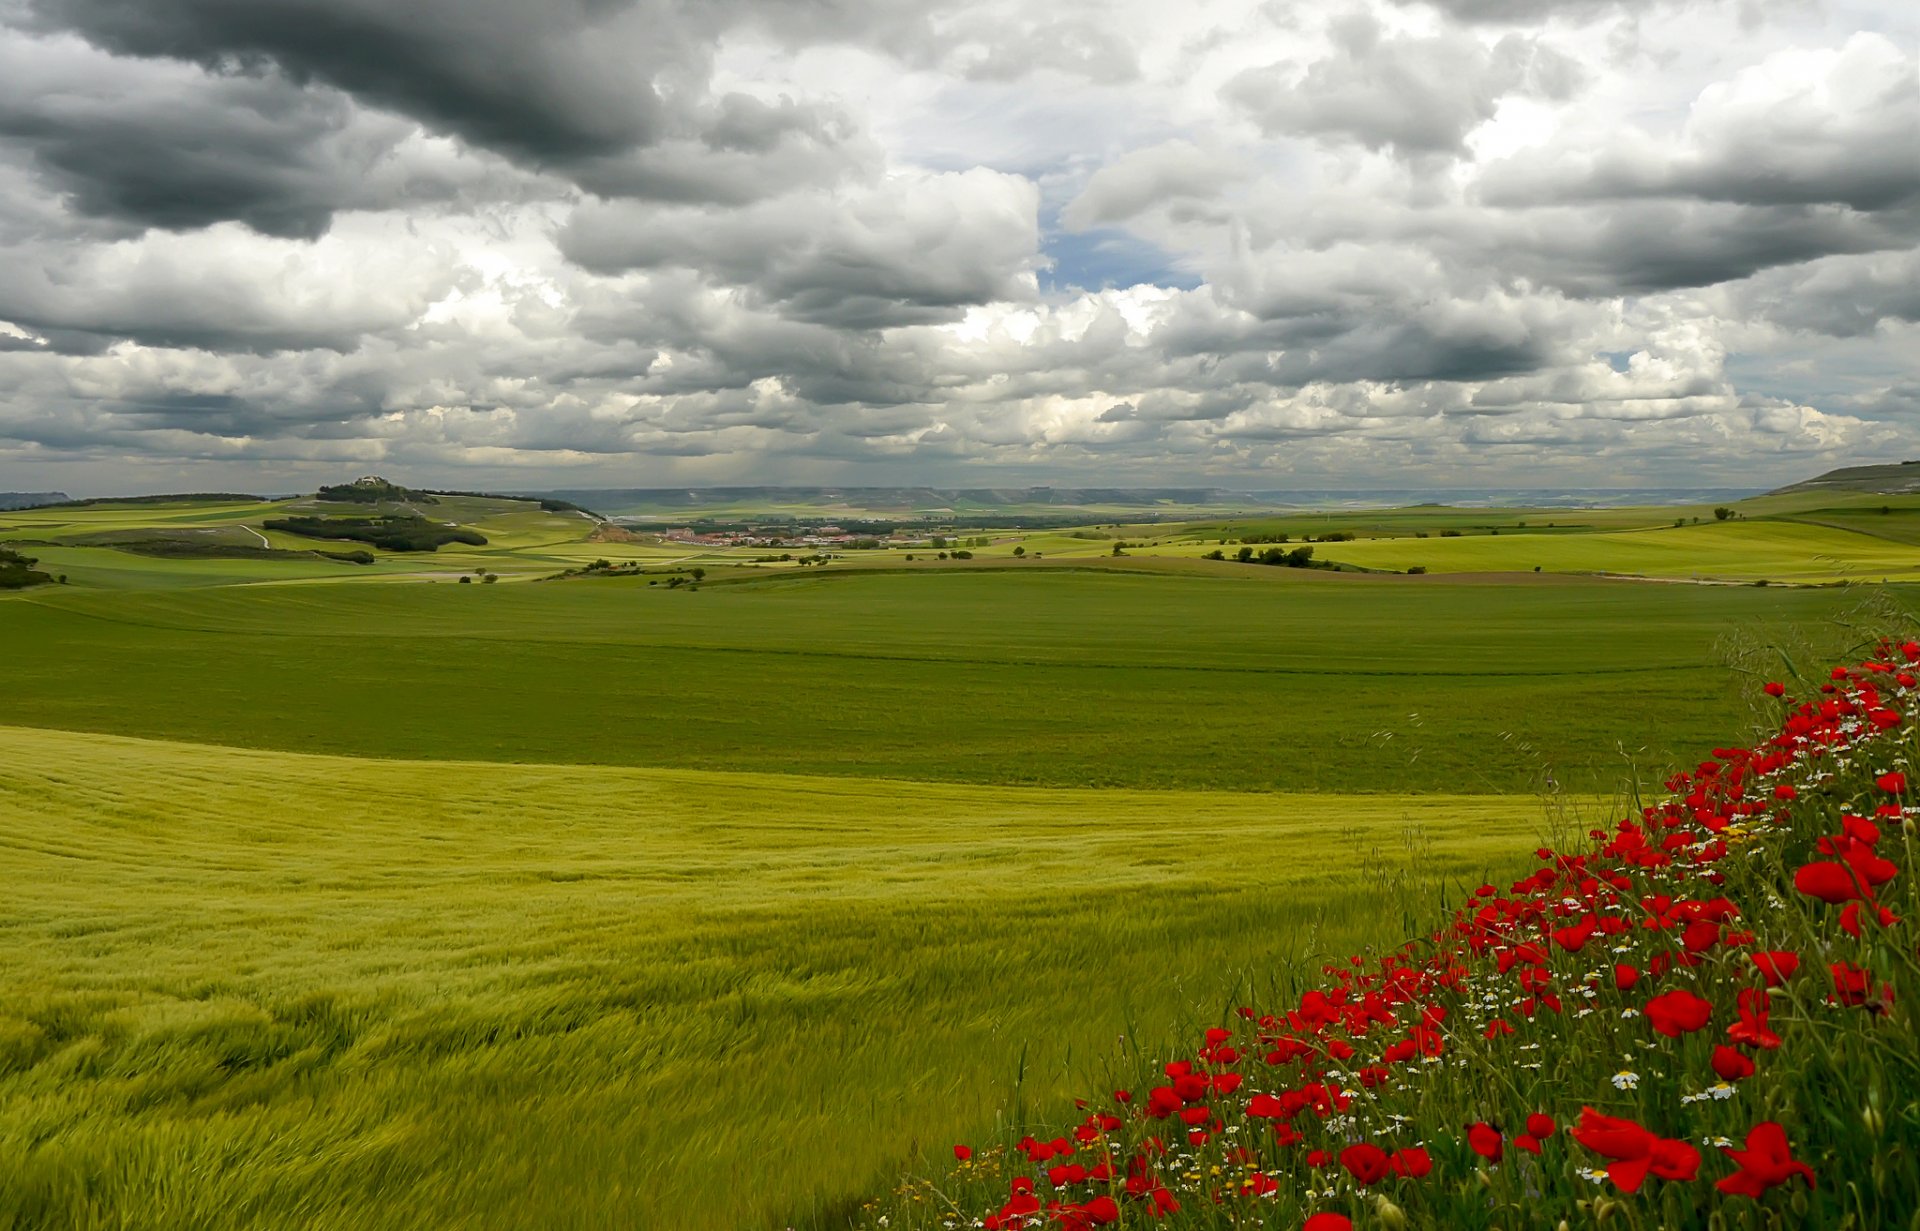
x=373 y=489
x=1889 y=479
x=30 y=500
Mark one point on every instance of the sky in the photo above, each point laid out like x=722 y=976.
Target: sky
x=260 y=244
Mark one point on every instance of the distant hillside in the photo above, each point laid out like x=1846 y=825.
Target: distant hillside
x=1890 y=479
x=28 y=500
x=903 y=499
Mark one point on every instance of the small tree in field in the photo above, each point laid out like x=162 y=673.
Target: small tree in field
x=1722 y=513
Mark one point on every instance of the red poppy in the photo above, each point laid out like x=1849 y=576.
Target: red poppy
x=1765 y=1162
x=1776 y=966
x=1753 y=1006
x=963 y=1153
x=1366 y=1162
x=1853 y=985
x=1539 y=1125
x=1678 y=1012
x=1325 y=1221
x=1730 y=1064
x=1893 y=783
x=1775 y=689
x=1634 y=1150
x=1412 y=1162
x=1832 y=883
x=1484 y=1139
x=1624 y=977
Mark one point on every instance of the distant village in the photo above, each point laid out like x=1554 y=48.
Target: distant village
x=814 y=536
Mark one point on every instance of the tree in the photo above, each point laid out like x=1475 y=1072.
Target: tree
x=1019 y=551
x=1244 y=554
x=699 y=574
x=1722 y=513
x=1117 y=547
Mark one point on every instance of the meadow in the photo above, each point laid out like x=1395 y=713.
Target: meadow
x=252 y=989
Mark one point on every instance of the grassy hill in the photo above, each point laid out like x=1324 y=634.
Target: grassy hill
x=260 y=989
x=1901 y=478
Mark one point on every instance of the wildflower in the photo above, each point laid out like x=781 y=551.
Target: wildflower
x=1484 y=1139
x=1894 y=783
x=1412 y=1162
x=963 y=1153
x=1326 y=1221
x=1625 y=1080
x=1678 y=1012
x=1765 y=1163
x=1776 y=966
x=1754 y=1004
x=1634 y=1150
x=1366 y=1162
x=1730 y=1064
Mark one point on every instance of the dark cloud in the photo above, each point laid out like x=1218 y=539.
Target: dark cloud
x=1413 y=95
x=547 y=82
x=612 y=94
x=912 y=250
x=151 y=144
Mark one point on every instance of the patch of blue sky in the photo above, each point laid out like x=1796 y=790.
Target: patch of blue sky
x=1107 y=258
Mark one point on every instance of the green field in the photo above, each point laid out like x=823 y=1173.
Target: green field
x=1260 y=679
x=611 y=902
x=259 y=989
x=1743 y=550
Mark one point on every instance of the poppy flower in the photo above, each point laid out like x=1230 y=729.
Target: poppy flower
x=1776 y=966
x=1893 y=783
x=1366 y=1162
x=1853 y=985
x=1832 y=883
x=1634 y=1151
x=1484 y=1139
x=1678 y=1012
x=1327 y=1221
x=1539 y=1125
x=1753 y=1005
x=1775 y=689
x=1412 y=1162
x=1624 y=977
x=963 y=1153
x=1765 y=1163
x=1730 y=1064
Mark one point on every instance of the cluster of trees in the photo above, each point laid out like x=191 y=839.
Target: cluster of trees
x=1299 y=557
x=17 y=571
x=387 y=533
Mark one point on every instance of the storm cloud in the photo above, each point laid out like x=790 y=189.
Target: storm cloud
x=1591 y=242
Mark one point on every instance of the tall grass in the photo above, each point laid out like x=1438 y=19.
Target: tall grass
x=269 y=990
